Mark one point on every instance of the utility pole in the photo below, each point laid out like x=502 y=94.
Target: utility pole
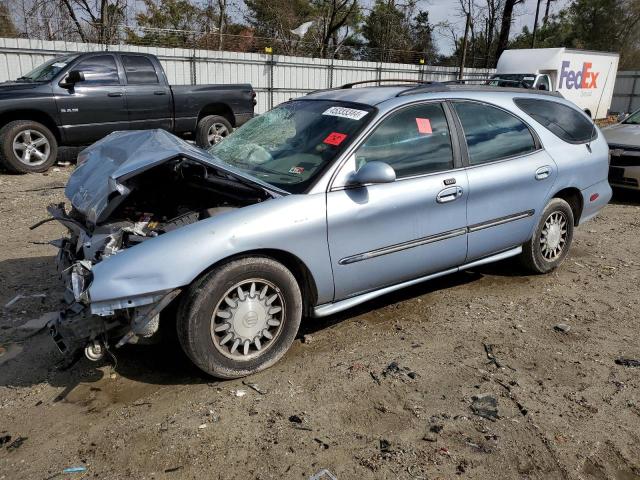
x=535 y=25
x=463 y=56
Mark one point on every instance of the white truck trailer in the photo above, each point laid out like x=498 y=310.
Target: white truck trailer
x=584 y=77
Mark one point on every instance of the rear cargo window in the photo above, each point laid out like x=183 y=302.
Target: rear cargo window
x=139 y=70
x=564 y=122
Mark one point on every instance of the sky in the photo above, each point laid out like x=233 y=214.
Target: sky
x=443 y=10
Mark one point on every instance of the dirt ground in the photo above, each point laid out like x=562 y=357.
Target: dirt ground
x=382 y=391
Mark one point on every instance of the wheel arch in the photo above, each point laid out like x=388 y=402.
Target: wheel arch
x=573 y=197
x=218 y=108
x=31 y=115
x=298 y=268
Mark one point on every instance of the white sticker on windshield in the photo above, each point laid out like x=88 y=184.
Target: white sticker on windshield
x=529 y=78
x=344 y=112
x=59 y=65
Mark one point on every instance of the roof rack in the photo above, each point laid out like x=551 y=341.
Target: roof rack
x=403 y=80
x=503 y=82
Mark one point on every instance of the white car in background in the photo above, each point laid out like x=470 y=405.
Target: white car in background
x=624 y=146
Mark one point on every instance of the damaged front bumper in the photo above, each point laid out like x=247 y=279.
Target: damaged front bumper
x=82 y=323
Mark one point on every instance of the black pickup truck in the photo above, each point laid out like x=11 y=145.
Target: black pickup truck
x=79 y=98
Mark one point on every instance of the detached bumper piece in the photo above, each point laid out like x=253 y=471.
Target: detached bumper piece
x=76 y=326
x=624 y=169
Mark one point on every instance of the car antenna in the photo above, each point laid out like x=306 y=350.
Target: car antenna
x=593 y=129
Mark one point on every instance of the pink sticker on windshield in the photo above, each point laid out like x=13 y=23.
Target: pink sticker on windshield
x=296 y=170
x=424 y=125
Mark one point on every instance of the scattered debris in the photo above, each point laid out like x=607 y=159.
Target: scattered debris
x=202 y=426
x=375 y=377
x=436 y=428
x=254 y=387
x=412 y=375
x=321 y=443
x=562 y=327
x=385 y=446
x=627 y=362
x=20 y=297
x=238 y=393
x=5 y=439
x=430 y=437
x=485 y=406
x=295 y=419
x=307 y=339
x=16 y=444
x=322 y=475
x=173 y=469
x=75 y=470
x=37 y=324
x=391 y=369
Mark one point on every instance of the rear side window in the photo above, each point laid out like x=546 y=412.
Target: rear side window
x=414 y=141
x=564 y=122
x=99 y=70
x=139 y=70
x=492 y=133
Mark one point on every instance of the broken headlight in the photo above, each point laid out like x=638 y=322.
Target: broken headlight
x=81 y=278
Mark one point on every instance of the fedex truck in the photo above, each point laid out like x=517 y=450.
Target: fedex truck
x=584 y=77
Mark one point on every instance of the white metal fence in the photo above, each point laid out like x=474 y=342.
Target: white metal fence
x=626 y=93
x=276 y=78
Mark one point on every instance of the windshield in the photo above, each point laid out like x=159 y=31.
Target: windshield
x=292 y=144
x=513 y=80
x=48 y=70
x=633 y=119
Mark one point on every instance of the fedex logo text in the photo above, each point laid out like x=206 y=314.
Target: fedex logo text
x=584 y=78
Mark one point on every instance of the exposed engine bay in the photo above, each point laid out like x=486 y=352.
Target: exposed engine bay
x=154 y=202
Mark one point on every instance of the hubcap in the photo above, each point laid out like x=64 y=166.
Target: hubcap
x=31 y=147
x=248 y=319
x=553 y=236
x=217 y=132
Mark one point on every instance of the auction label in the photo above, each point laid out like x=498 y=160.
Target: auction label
x=345 y=112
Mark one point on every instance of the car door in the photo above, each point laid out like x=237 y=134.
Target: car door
x=148 y=95
x=94 y=107
x=385 y=234
x=510 y=176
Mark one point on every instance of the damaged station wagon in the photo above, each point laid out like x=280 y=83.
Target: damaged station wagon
x=316 y=206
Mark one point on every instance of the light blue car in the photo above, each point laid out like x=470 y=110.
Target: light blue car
x=318 y=205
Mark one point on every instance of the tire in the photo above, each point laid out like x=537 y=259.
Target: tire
x=40 y=147
x=542 y=253
x=197 y=317
x=212 y=129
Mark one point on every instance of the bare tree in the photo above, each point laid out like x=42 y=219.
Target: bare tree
x=505 y=26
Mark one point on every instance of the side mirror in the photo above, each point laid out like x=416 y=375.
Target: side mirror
x=372 y=173
x=622 y=117
x=73 y=77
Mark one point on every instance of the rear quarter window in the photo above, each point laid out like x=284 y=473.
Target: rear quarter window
x=563 y=121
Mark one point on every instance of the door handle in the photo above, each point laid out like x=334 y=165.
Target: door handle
x=114 y=94
x=159 y=92
x=543 y=172
x=449 y=194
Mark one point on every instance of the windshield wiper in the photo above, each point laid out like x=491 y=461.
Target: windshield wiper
x=29 y=79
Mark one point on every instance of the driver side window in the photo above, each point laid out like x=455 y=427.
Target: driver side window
x=414 y=141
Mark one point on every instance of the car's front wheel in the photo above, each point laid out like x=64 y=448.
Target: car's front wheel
x=551 y=239
x=241 y=317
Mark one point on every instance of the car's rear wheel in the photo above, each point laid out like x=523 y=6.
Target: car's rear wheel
x=551 y=239
x=27 y=146
x=212 y=129
x=241 y=317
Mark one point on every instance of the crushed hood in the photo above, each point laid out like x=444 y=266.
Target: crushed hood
x=623 y=134
x=106 y=166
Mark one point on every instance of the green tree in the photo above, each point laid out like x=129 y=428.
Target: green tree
x=387 y=30
x=422 y=33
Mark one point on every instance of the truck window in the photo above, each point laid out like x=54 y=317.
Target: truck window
x=564 y=122
x=99 y=70
x=139 y=70
x=491 y=133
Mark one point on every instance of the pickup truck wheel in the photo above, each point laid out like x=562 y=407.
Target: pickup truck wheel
x=212 y=129
x=27 y=146
x=551 y=239
x=241 y=317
